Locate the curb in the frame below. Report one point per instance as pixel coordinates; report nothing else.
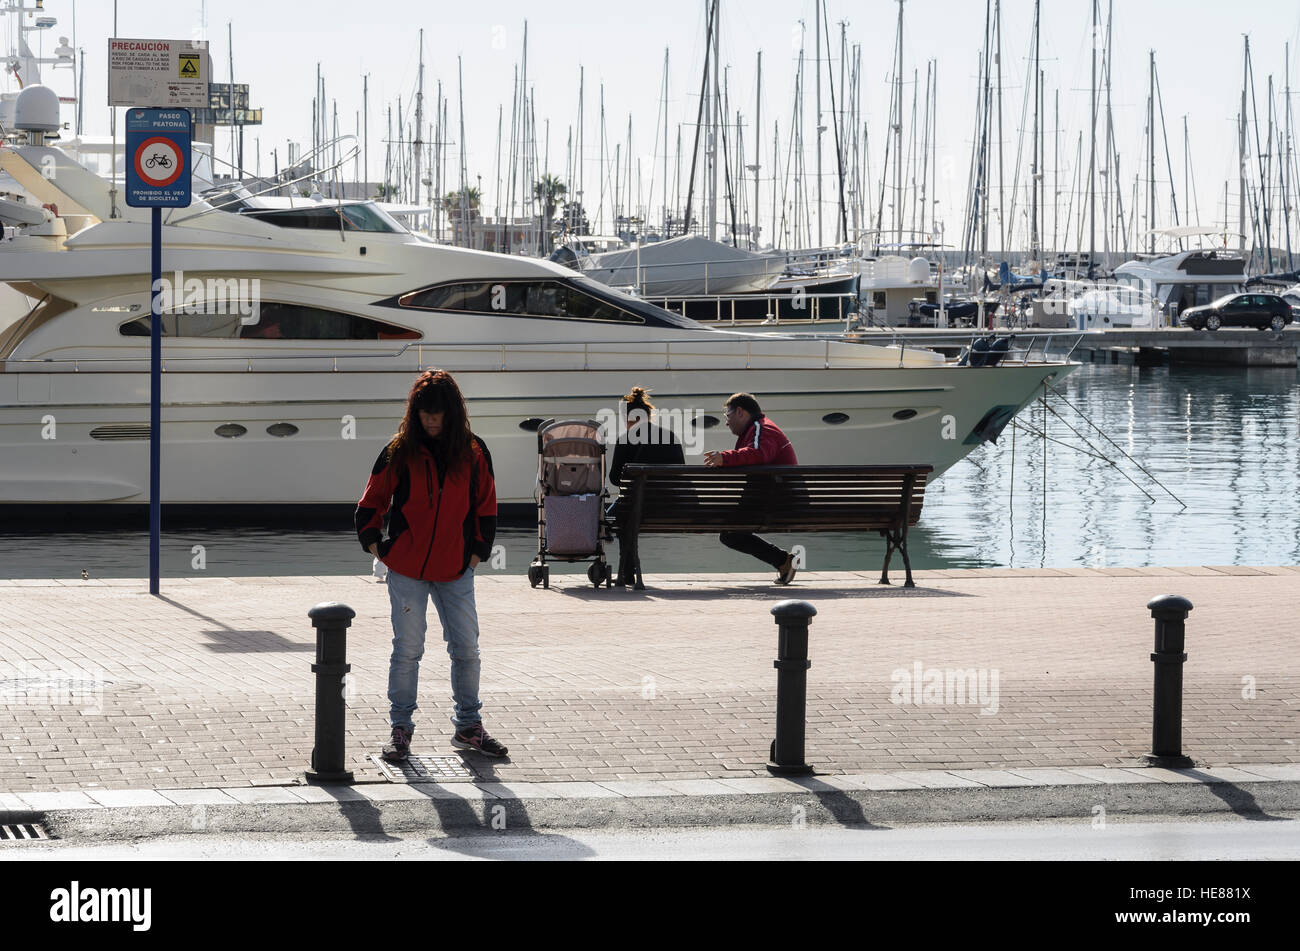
(865, 801)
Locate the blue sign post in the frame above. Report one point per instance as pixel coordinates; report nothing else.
(158, 176)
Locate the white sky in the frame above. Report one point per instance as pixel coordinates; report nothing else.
(277, 45)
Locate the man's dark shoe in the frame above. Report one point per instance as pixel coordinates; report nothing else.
(786, 571)
(476, 738)
(399, 747)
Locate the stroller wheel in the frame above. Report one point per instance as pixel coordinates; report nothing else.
(534, 575)
(596, 574)
(546, 577)
(609, 577)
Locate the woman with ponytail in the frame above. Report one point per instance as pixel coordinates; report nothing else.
(642, 443)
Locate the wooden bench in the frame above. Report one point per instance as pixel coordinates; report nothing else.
(700, 499)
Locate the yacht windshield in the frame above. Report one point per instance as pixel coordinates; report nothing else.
(366, 217)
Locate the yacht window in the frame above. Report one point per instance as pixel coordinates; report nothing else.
(521, 298)
(274, 321)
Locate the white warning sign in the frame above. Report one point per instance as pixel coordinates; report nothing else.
(158, 73)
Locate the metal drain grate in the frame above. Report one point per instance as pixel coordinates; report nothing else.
(420, 768)
(27, 832)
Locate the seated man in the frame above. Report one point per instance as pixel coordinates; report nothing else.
(759, 442)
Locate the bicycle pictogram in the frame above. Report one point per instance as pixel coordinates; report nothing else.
(158, 159)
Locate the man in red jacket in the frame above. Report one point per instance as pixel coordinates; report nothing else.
(759, 442)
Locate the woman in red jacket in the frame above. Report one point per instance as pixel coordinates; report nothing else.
(434, 482)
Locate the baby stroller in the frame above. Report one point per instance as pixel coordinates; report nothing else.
(571, 500)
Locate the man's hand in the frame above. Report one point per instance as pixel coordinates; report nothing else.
(713, 460)
(374, 549)
(474, 561)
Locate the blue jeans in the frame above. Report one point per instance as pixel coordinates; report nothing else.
(455, 603)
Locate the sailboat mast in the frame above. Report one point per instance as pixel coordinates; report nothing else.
(758, 150)
(716, 119)
(898, 136)
(1241, 149)
(419, 121)
(1151, 132)
(817, 68)
(1035, 250)
(667, 206)
(1092, 162)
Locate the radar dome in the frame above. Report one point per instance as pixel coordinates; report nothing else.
(918, 271)
(37, 110)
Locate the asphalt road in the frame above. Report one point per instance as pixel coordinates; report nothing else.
(1151, 839)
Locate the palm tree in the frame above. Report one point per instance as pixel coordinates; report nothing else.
(549, 190)
(452, 200)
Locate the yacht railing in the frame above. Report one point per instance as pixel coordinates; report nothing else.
(773, 303)
(1043, 342)
(503, 351)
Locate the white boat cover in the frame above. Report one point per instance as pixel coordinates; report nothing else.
(685, 267)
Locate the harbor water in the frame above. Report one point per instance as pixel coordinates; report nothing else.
(1221, 486)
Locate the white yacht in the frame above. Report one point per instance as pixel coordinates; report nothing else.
(296, 328)
(1188, 278)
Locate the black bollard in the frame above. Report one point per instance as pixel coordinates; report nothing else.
(1170, 613)
(792, 663)
(329, 756)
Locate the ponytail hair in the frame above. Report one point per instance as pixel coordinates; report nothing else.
(639, 399)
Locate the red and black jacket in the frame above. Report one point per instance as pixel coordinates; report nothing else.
(440, 515)
(763, 444)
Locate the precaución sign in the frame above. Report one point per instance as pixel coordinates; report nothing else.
(158, 173)
(158, 73)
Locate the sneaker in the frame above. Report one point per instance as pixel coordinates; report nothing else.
(787, 571)
(399, 748)
(476, 738)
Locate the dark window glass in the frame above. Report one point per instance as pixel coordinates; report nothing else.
(332, 218)
(520, 298)
(274, 321)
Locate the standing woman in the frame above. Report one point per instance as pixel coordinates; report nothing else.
(436, 477)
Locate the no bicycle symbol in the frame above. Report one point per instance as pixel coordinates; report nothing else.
(159, 162)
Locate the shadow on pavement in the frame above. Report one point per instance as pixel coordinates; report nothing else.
(1240, 801)
(797, 592)
(843, 808)
(227, 640)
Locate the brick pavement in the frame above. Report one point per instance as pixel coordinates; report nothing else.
(212, 686)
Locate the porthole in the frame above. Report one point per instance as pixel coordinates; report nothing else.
(710, 422)
(531, 425)
(836, 419)
(231, 430)
(282, 429)
(904, 414)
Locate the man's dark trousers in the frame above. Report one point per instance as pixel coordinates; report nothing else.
(753, 545)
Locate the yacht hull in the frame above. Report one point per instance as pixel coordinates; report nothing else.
(309, 438)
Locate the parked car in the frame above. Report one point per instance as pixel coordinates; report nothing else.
(1262, 311)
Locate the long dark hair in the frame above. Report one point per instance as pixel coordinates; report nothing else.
(435, 391)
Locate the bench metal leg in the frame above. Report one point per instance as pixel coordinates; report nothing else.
(896, 542)
(907, 562)
(889, 554)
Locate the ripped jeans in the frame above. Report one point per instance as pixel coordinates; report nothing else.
(454, 601)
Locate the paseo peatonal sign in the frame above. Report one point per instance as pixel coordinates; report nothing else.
(158, 173)
(160, 73)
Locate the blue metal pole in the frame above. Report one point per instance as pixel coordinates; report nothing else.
(155, 406)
